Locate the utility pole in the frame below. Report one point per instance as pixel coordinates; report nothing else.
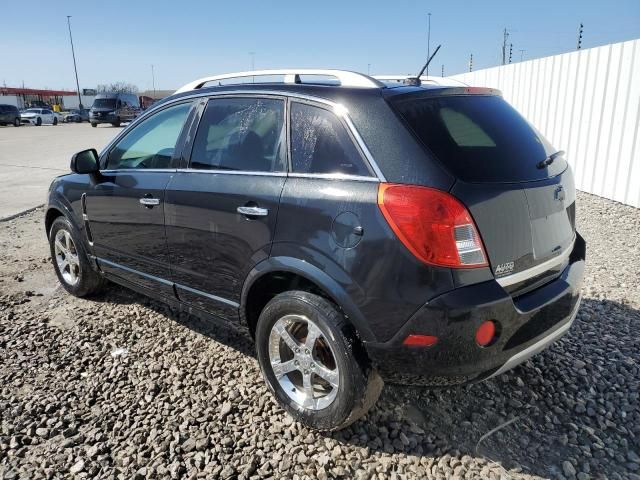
(75, 68)
(471, 62)
(505, 37)
(522, 54)
(443, 70)
(368, 69)
(580, 36)
(153, 81)
(428, 39)
(510, 51)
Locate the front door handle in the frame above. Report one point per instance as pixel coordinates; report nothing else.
(253, 211)
(150, 202)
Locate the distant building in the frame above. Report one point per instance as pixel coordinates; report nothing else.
(25, 97)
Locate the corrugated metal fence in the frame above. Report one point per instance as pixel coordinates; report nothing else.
(587, 103)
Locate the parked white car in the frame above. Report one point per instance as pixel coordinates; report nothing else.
(38, 116)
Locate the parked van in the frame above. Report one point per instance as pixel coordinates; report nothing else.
(114, 108)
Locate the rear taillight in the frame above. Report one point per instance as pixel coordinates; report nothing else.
(433, 225)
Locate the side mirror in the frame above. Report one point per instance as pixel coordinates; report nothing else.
(85, 161)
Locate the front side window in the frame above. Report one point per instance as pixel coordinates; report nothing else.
(320, 143)
(245, 134)
(150, 144)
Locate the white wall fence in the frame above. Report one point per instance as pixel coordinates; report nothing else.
(587, 103)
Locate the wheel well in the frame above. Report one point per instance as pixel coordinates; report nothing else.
(51, 215)
(272, 284)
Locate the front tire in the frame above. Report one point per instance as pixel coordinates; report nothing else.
(116, 123)
(94, 125)
(39, 122)
(55, 120)
(313, 363)
(16, 122)
(70, 261)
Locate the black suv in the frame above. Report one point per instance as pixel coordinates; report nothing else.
(9, 115)
(361, 232)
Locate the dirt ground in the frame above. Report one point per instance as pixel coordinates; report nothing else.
(119, 386)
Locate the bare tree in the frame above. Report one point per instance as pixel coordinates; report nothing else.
(117, 87)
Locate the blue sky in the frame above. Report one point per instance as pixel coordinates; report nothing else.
(119, 40)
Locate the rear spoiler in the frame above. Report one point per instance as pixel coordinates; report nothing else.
(444, 81)
(439, 92)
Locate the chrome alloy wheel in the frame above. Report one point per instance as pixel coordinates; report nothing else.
(303, 362)
(67, 257)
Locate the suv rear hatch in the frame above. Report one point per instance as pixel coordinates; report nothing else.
(524, 207)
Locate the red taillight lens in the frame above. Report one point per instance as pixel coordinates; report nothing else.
(433, 225)
(485, 333)
(420, 340)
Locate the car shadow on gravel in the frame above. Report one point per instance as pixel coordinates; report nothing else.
(569, 410)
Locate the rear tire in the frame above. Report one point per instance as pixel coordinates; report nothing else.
(94, 125)
(327, 382)
(70, 260)
(116, 123)
(39, 122)
(16, 122)
(55, 120)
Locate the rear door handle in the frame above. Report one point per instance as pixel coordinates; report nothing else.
(253, 211)
(150, 202)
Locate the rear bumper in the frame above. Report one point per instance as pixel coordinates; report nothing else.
(526, 325)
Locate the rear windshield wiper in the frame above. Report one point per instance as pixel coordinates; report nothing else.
(549, 160)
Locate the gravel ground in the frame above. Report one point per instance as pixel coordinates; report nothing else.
(120, 386)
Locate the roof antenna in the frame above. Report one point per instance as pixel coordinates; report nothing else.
(415, 81)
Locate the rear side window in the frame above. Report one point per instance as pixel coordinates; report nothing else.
(479, 138)
(244, 134)
(321, 144)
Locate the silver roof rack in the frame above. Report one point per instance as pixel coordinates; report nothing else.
(346, 78)
(444, 81)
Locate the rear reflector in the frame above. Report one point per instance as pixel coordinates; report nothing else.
(420, 340)
(433, 225)
(485, 333)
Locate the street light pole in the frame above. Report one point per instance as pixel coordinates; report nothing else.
(75, 68)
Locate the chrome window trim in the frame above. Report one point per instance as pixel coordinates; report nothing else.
(232, 172)
(150, 170)
(537, 269)
(335, 176)
(319, 176)
(268, 93)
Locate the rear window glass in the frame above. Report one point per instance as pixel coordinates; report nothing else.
(479, 138)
